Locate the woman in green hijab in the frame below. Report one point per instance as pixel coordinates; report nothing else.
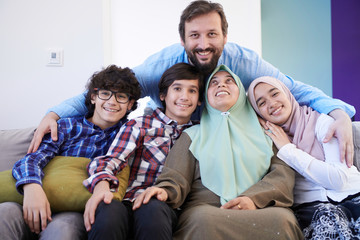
(223, 175)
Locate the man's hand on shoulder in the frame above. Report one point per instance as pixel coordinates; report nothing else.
(342, 130)
(47, 124)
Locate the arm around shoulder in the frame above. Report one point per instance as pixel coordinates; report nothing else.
(342, 130)
(71, 107)
(47, 124)
(316, 99)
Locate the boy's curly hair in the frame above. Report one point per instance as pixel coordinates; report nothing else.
(116, 79)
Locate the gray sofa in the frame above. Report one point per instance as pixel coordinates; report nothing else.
(14, 145)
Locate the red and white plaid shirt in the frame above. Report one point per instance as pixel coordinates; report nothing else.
(143, 143)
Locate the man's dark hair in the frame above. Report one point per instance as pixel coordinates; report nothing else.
(180, 71)
(115, 79)
(201, 7)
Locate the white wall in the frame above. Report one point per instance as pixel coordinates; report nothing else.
(93, 33)
(27, 30)
(142, 27)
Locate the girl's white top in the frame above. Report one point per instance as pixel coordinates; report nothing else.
(318, 180)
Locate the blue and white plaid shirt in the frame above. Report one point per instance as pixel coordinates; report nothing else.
(77, 137)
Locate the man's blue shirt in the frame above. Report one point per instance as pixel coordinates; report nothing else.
(244, 62)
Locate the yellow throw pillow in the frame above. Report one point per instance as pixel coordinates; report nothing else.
(62, 184)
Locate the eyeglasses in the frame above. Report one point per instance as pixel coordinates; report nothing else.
(107, 94)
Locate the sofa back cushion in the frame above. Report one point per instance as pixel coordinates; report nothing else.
(14, 145)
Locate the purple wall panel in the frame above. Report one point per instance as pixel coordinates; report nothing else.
(345, 26)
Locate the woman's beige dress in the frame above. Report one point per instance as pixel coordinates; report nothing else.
(201, 217)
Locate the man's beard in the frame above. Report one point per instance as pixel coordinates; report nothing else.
(205, 68)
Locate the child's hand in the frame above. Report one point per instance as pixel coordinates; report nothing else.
(145, 196)
(277, 134)
(263, 123)
(101, 193)
(36, 207)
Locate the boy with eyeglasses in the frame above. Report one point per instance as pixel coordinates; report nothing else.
(143, 143)
(112, 94)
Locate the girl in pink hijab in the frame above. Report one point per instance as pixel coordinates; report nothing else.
(326, 192)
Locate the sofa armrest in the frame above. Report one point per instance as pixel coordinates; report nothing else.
(356, 136)
(14, 145)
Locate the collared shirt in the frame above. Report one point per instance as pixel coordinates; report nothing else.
(143, 143)
(244, 62)
(77, 137)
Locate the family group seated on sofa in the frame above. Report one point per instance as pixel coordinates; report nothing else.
(234, 150)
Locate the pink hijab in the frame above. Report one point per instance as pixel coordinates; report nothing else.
(300, 127)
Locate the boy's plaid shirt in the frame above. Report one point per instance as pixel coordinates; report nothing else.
(77, 137)
(143, 143)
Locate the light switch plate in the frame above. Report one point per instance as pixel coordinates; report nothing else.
(55, 57)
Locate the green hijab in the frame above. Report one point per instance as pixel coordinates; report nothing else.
(232, 149)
